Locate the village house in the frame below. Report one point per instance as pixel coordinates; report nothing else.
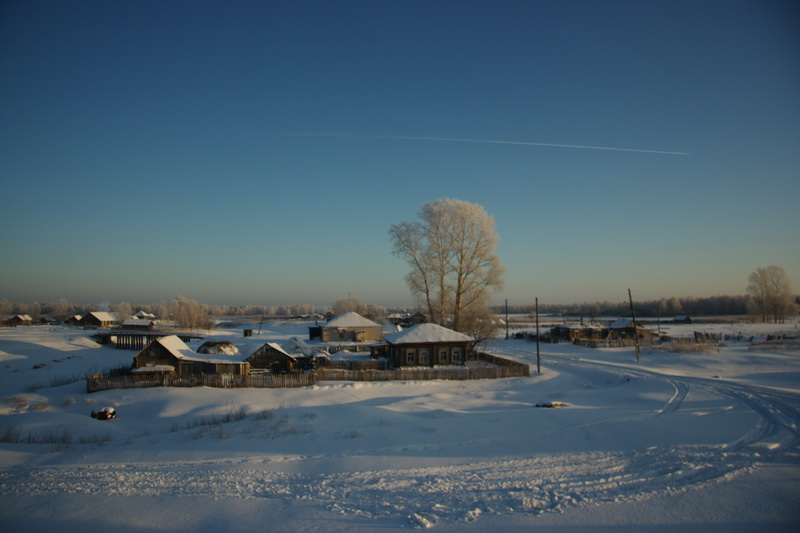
(406, 319)
(147, 324)
(426, 345)
(171, 355)
(98, 319)
(18, 320)
(272, 357)
(346, 327)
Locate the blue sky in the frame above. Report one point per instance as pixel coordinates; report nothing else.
(257, 152)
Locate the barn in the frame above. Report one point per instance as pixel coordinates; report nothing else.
(172, 352)
(346, 327)
(428, 345)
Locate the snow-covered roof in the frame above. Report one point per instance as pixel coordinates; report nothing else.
(623, 323)
(350, 319)
(137, 322)
(103, 316)
(180, 350)
(21, 317)
(176, 347)
(424, 333)
(277, 347)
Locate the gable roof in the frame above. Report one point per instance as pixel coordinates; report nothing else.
(180, 350)
(426, 333)
(176, 347)
(102, 316)
(350, 319)
(20, 317)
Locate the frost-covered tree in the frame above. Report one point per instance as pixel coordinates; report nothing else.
(124, 310)
(349, 304)
(450, 250)
(188, 313)
(61, 309)
(770, 294)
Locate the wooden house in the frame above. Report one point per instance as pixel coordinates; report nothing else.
(406, 319)
(168, 352)
(147, 324)
(74, 320)
(427, 345)
(346, 327)
(272, 357)
(98, 319)
(18, 320)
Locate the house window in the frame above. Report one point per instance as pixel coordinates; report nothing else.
(424, 356)
(410, 356)
(457, 355)
(443, 355)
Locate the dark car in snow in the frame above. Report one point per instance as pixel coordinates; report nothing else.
(106, 413)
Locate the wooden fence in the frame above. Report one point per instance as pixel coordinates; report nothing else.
(614, 343)
(499, 367)
(502, 368)
(97, 382)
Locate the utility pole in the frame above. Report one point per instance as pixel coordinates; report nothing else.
(635, 330)
(506, 318)
(538, 361)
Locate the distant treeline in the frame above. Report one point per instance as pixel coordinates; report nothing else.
(665, 307)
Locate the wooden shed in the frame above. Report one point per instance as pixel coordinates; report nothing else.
(171, 351)
(626, 328)
(346, 327)
(428, 345)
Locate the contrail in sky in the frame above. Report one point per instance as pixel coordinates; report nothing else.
(479, 141)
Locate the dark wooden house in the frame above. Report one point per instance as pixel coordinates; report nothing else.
(426, 345)
(171, 351)
(406, 319)
(18, 320)
(272, 357)
(98, 319)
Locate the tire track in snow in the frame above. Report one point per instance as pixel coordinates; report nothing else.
(548, 483)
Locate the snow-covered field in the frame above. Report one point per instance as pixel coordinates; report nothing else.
(706, 441)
